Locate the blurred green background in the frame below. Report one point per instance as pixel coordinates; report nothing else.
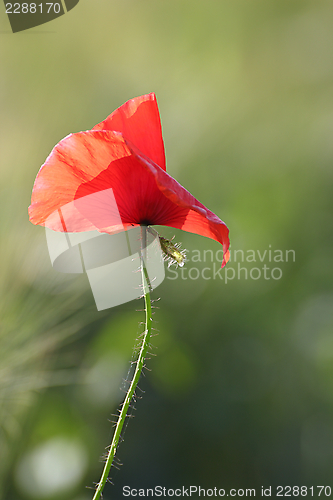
(240, 394)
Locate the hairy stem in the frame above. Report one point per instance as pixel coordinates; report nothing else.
(138, 369)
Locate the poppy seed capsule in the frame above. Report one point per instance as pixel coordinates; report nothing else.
(172, 252)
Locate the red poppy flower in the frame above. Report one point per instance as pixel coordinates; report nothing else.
(114, 176)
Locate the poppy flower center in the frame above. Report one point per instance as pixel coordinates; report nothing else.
(145, 222)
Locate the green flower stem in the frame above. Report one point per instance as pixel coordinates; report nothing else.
(138, 369)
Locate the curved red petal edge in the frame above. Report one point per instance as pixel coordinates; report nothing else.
(139, 122)
(100, 179)
(74, 161)
(199, 220)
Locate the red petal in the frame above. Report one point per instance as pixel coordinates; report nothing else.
(97, 180)
(76, 160)
(139, 122)
(198, 219)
